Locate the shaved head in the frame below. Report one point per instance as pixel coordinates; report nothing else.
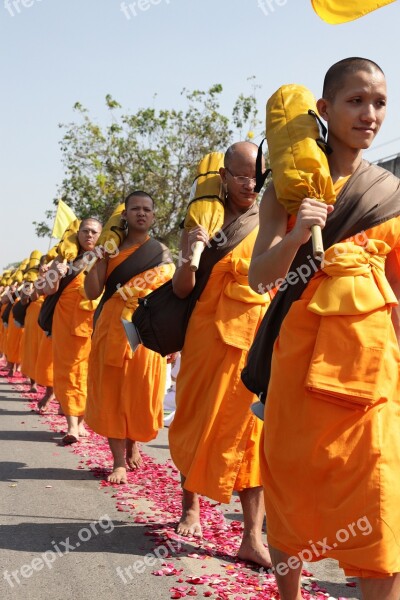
(240, 151)
(88, 219)
(337, 74)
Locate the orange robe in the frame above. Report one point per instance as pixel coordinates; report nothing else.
(14, 341)
(44, 360)
(214, 437)
(31, 340)
(2, 330)
(331, 459)
(71, 333)
(126, 390)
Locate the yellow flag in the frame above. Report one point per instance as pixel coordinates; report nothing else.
(64, 216)
(342, 11)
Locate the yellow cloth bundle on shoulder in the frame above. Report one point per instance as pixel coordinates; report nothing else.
(114, 231)
(68, 248)
(297, 150)
(206, 202)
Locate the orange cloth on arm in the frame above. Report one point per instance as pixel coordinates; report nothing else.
(31, 340)
(126, 390)
(14, 341)
(331, 450)
(214, 437)
(71, 333)
(44, 361)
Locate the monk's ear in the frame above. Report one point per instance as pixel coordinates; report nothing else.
(322, 107)
(222, 174)
(124, 214)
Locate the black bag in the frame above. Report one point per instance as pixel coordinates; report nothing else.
(45, 318)
(149, 255)
(161, 318)
(6, 314)
(19, 313)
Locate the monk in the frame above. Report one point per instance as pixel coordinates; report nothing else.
(214, 437)
(332, 419)
(71, 332)
(14, 343)
(32, 334)
(44, 358)
(126, 389)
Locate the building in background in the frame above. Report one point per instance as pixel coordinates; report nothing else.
(391, 163)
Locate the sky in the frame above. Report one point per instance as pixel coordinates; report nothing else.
(54, 53)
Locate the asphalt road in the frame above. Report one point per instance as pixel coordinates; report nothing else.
(62, 537)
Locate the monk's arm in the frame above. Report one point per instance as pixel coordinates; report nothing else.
(53, 277)
(393, 276)
(184, 279)
(275, 249)
(95, 279)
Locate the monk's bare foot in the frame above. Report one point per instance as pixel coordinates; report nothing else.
(253, 550)
(133, 457)
(83, 433)
(118, 475)
(189, 525)
(43, 404)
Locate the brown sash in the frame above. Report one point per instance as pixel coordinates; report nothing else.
(149, 255)
(370, 197)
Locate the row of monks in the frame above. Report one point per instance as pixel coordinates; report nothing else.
(311, 454)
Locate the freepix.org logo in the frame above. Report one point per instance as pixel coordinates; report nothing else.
(268, 7)
(133, 9)
(14, 7)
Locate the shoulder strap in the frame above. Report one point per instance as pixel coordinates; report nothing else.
(45, 319)
(234, 233)
(149, 255)
(370, 197)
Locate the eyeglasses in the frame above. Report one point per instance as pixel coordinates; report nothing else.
(241, 180)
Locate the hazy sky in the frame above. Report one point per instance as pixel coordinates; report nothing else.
(56, 52)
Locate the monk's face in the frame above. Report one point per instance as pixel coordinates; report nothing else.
(88, 234)
(139, 214)
(357, 111)
(239, 177)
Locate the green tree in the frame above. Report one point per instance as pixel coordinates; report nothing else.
(156, 151)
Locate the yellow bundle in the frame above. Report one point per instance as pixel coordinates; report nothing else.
(206, 202)
(51, 254)
(114, 230)
(342, 11)
(32, 270)
(69, 248)
(299, 165)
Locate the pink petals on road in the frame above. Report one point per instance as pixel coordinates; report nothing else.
(152, 499)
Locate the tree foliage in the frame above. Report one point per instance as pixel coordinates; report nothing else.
(156, 151)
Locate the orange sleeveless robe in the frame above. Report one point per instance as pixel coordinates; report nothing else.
(14, 341)
(44, 362)
(71, 333)
(214, 437)
(125, 390)
(31, 340)
(331, 457)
